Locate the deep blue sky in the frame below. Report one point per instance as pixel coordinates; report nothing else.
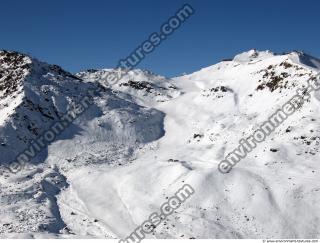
(80, 34)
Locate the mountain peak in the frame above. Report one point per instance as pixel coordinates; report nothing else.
(304, 59)
(252, 54)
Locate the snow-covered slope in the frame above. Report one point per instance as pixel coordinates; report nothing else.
(147, 135)
(35, 96)
(143, 86)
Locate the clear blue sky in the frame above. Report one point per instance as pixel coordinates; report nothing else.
(80, 34)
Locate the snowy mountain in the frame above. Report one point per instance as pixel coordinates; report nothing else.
(34, 96)
(143, 86)
(146, 135)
